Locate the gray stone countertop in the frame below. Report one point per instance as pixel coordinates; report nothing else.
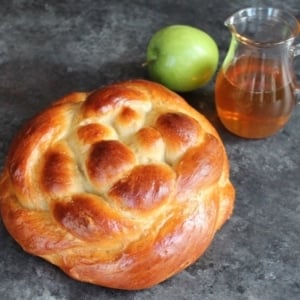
(50, 48)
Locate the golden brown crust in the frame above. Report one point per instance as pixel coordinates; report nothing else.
(122, 187)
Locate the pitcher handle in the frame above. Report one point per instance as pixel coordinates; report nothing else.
(296, 52)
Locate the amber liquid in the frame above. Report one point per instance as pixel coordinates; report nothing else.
(254, 99)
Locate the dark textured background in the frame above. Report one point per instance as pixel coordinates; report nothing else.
(50, 48)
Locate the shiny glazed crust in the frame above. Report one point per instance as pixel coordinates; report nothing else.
(122, 187)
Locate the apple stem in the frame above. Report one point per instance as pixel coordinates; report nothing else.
(146, 63)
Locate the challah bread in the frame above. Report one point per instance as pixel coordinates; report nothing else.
(121, 187)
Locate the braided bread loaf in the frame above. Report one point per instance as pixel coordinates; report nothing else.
(122, 187)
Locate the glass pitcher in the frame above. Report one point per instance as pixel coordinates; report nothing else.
(255, 89)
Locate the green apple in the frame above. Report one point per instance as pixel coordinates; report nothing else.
(182, 57)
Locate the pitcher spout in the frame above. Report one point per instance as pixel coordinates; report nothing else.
(263, 25)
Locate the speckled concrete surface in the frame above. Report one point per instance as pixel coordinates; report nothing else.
(48, 50)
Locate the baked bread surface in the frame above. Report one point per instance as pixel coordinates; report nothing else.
(121, 187)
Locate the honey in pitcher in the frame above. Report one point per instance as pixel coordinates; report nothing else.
(253, 98)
